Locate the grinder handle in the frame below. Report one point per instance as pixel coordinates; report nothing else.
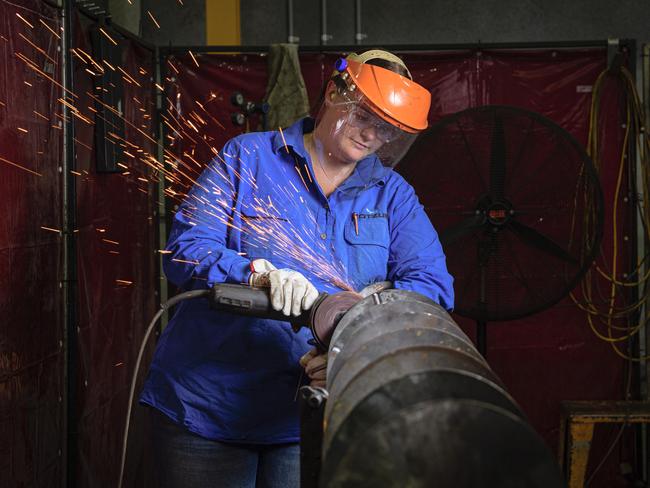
(252, 301)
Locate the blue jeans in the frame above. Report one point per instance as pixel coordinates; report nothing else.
(187, 460)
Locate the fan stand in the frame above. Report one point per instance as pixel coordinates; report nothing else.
(481, 337)
(484, 249)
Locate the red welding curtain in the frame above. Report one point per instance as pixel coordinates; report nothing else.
(31, 329)
(117, 267)
(543, 359)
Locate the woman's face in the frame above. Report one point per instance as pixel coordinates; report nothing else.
(345, 135)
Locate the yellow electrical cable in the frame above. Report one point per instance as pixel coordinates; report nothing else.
(634, 118)
(621, 313)
(619, 181)
(622, 283)
(638, 122)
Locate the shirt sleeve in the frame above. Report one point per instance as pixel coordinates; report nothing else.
(199, 235)
(416, 260)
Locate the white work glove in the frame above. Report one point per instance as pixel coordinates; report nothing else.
(291, 292)
(315, 366)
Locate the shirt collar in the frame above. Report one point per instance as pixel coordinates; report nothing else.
(368, 171)
(291, 137)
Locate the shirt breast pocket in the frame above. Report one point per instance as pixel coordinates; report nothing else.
(368, 239)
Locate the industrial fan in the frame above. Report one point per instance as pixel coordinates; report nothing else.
(518, 206)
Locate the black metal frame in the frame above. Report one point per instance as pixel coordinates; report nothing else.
(627, 55)
(160, 56)
(164, 52)
(398, 47)
(69, 281)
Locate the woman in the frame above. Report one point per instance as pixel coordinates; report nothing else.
(309, 209)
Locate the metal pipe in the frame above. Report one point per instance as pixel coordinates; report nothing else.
(358, 35)
(324, 36)
(400, 48)
(69, 279)
(412, 403)
(160, 210)
(291, 38)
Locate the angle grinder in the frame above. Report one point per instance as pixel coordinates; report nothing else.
(321, 319)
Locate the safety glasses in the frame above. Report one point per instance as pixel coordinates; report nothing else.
(363, 119)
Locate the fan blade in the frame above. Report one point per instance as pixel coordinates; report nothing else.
(456, 231)
(541, 242)
(497, 159)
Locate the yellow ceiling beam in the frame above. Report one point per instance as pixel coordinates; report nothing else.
(222, 23)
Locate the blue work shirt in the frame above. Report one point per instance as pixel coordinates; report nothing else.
(233, 378)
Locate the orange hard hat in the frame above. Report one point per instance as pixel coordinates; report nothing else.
(395, 98)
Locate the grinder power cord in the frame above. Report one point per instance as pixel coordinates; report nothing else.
(165, 306)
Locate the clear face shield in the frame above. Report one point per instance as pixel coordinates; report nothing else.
(361, 124)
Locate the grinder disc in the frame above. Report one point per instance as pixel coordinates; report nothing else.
(327, 313)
